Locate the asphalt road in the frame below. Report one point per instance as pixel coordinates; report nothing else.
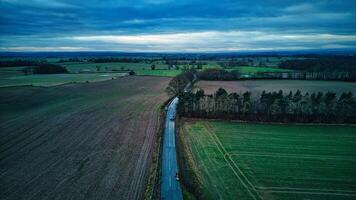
(170, 187)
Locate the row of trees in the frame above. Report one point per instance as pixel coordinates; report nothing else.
(220, 74)
(34, 66)
(70, 60)
(179, 83)
(335, 75)
(270, 106)
(20, 62)
(233, 63)
(45, 68)
(113, 59)
(322, 64)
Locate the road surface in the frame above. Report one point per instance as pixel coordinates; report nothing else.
(170, 187)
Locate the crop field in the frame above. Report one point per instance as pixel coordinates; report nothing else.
(235, 160)
(81, 72)
(158, 72)
(77, 67)
(56, 79)
(79, 141)
(247, 69)
(258, 86)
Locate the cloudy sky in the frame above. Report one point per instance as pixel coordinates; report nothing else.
(176, 25)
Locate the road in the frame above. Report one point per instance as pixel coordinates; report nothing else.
(170, 187)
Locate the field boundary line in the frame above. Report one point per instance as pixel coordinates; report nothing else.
(320, 157)
(268, 133)
(307, 192)
(194, 147)
(290, 189)
(298, 190)
(222, 150)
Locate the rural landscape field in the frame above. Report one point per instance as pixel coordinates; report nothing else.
(236, 160)
(97, 127)
(258, 86)
(173, 100)
(79, 141)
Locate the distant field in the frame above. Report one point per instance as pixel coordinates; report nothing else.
(13, 76)
(77, 67)
(275, 85)
(6, 72)
(259, 69)
(159, 72)
(79, 141)
(56, 79)
(258, 161)
(140, 68)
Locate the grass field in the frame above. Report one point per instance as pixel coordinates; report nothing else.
(56, 79)
(79, 141)
(262, 161)
(158, 72)
(247, 69)
(13, 76)
(258, 86)
(77, 67)
(87, 71)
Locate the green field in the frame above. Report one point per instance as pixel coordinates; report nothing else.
(158, 72)
(247, 69)
(77, 67)
(81, 72)
(235, 160)
(56, 79)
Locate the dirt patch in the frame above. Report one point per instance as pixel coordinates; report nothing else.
(80, 141)
(258, 86)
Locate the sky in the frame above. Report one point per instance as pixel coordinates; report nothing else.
(177, 25)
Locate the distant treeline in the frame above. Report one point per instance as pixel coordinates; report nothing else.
(45, 68)
(220, 74)
(233, 63)
(322, 64)
(270, 106)
(70, 60)
(183, 62)
(20, 62)
(109, 59)
(327, 75)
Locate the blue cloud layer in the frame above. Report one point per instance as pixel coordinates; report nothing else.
(51, 24)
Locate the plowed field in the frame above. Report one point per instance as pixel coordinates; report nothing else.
(79, 141)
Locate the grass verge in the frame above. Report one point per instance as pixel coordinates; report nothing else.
(152, 191)
(190, 184)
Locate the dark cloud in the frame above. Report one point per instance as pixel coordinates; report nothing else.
(51, 23)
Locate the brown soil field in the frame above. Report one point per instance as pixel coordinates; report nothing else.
(79, 141)
(258, 86)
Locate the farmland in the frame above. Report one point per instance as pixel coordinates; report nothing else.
(56, 79)
(248, 69)
(79, 141)
(80, 72)
(258, 86)
(77, 67)
(158, 72)
(234, 160)
(92, 69)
